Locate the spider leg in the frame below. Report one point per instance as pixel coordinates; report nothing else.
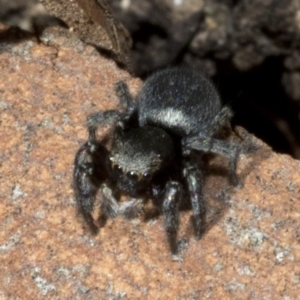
(131, 209)
(195, 181)
(228, 149)
(219, 120)
(101, 119)
(90, 169)
(85, 182)
(170, 208)
(124, 95)
(109, 205)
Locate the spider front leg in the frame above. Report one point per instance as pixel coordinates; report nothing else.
(109, 204)
(99, 120)
(124, 95)
(195, 181)
(228, 149)
(170, 208)
(90, 174)
(89, 171)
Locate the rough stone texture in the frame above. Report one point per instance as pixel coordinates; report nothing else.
(30, 15)
(251, 249)
(94, 24)
(161, 29)
(245, 32)
(249, 31)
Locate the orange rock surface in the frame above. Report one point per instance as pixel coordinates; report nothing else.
(251, 249)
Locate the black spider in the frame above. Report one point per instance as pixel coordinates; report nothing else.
(158, 145)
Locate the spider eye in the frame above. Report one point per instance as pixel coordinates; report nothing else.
(117, 169)
(132, 175)
(146, 175)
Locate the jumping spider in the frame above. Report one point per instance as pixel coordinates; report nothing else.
(158, 145)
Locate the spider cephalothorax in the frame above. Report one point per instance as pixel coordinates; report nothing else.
(158, 144)
(138, 155)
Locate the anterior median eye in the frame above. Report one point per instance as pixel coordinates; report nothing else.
(132, 175)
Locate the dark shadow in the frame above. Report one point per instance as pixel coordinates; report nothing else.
(260, 103)
(13, 35)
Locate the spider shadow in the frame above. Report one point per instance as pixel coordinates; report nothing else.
(13, 35)
(218, 188)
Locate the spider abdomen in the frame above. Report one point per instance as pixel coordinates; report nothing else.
(179, 100)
